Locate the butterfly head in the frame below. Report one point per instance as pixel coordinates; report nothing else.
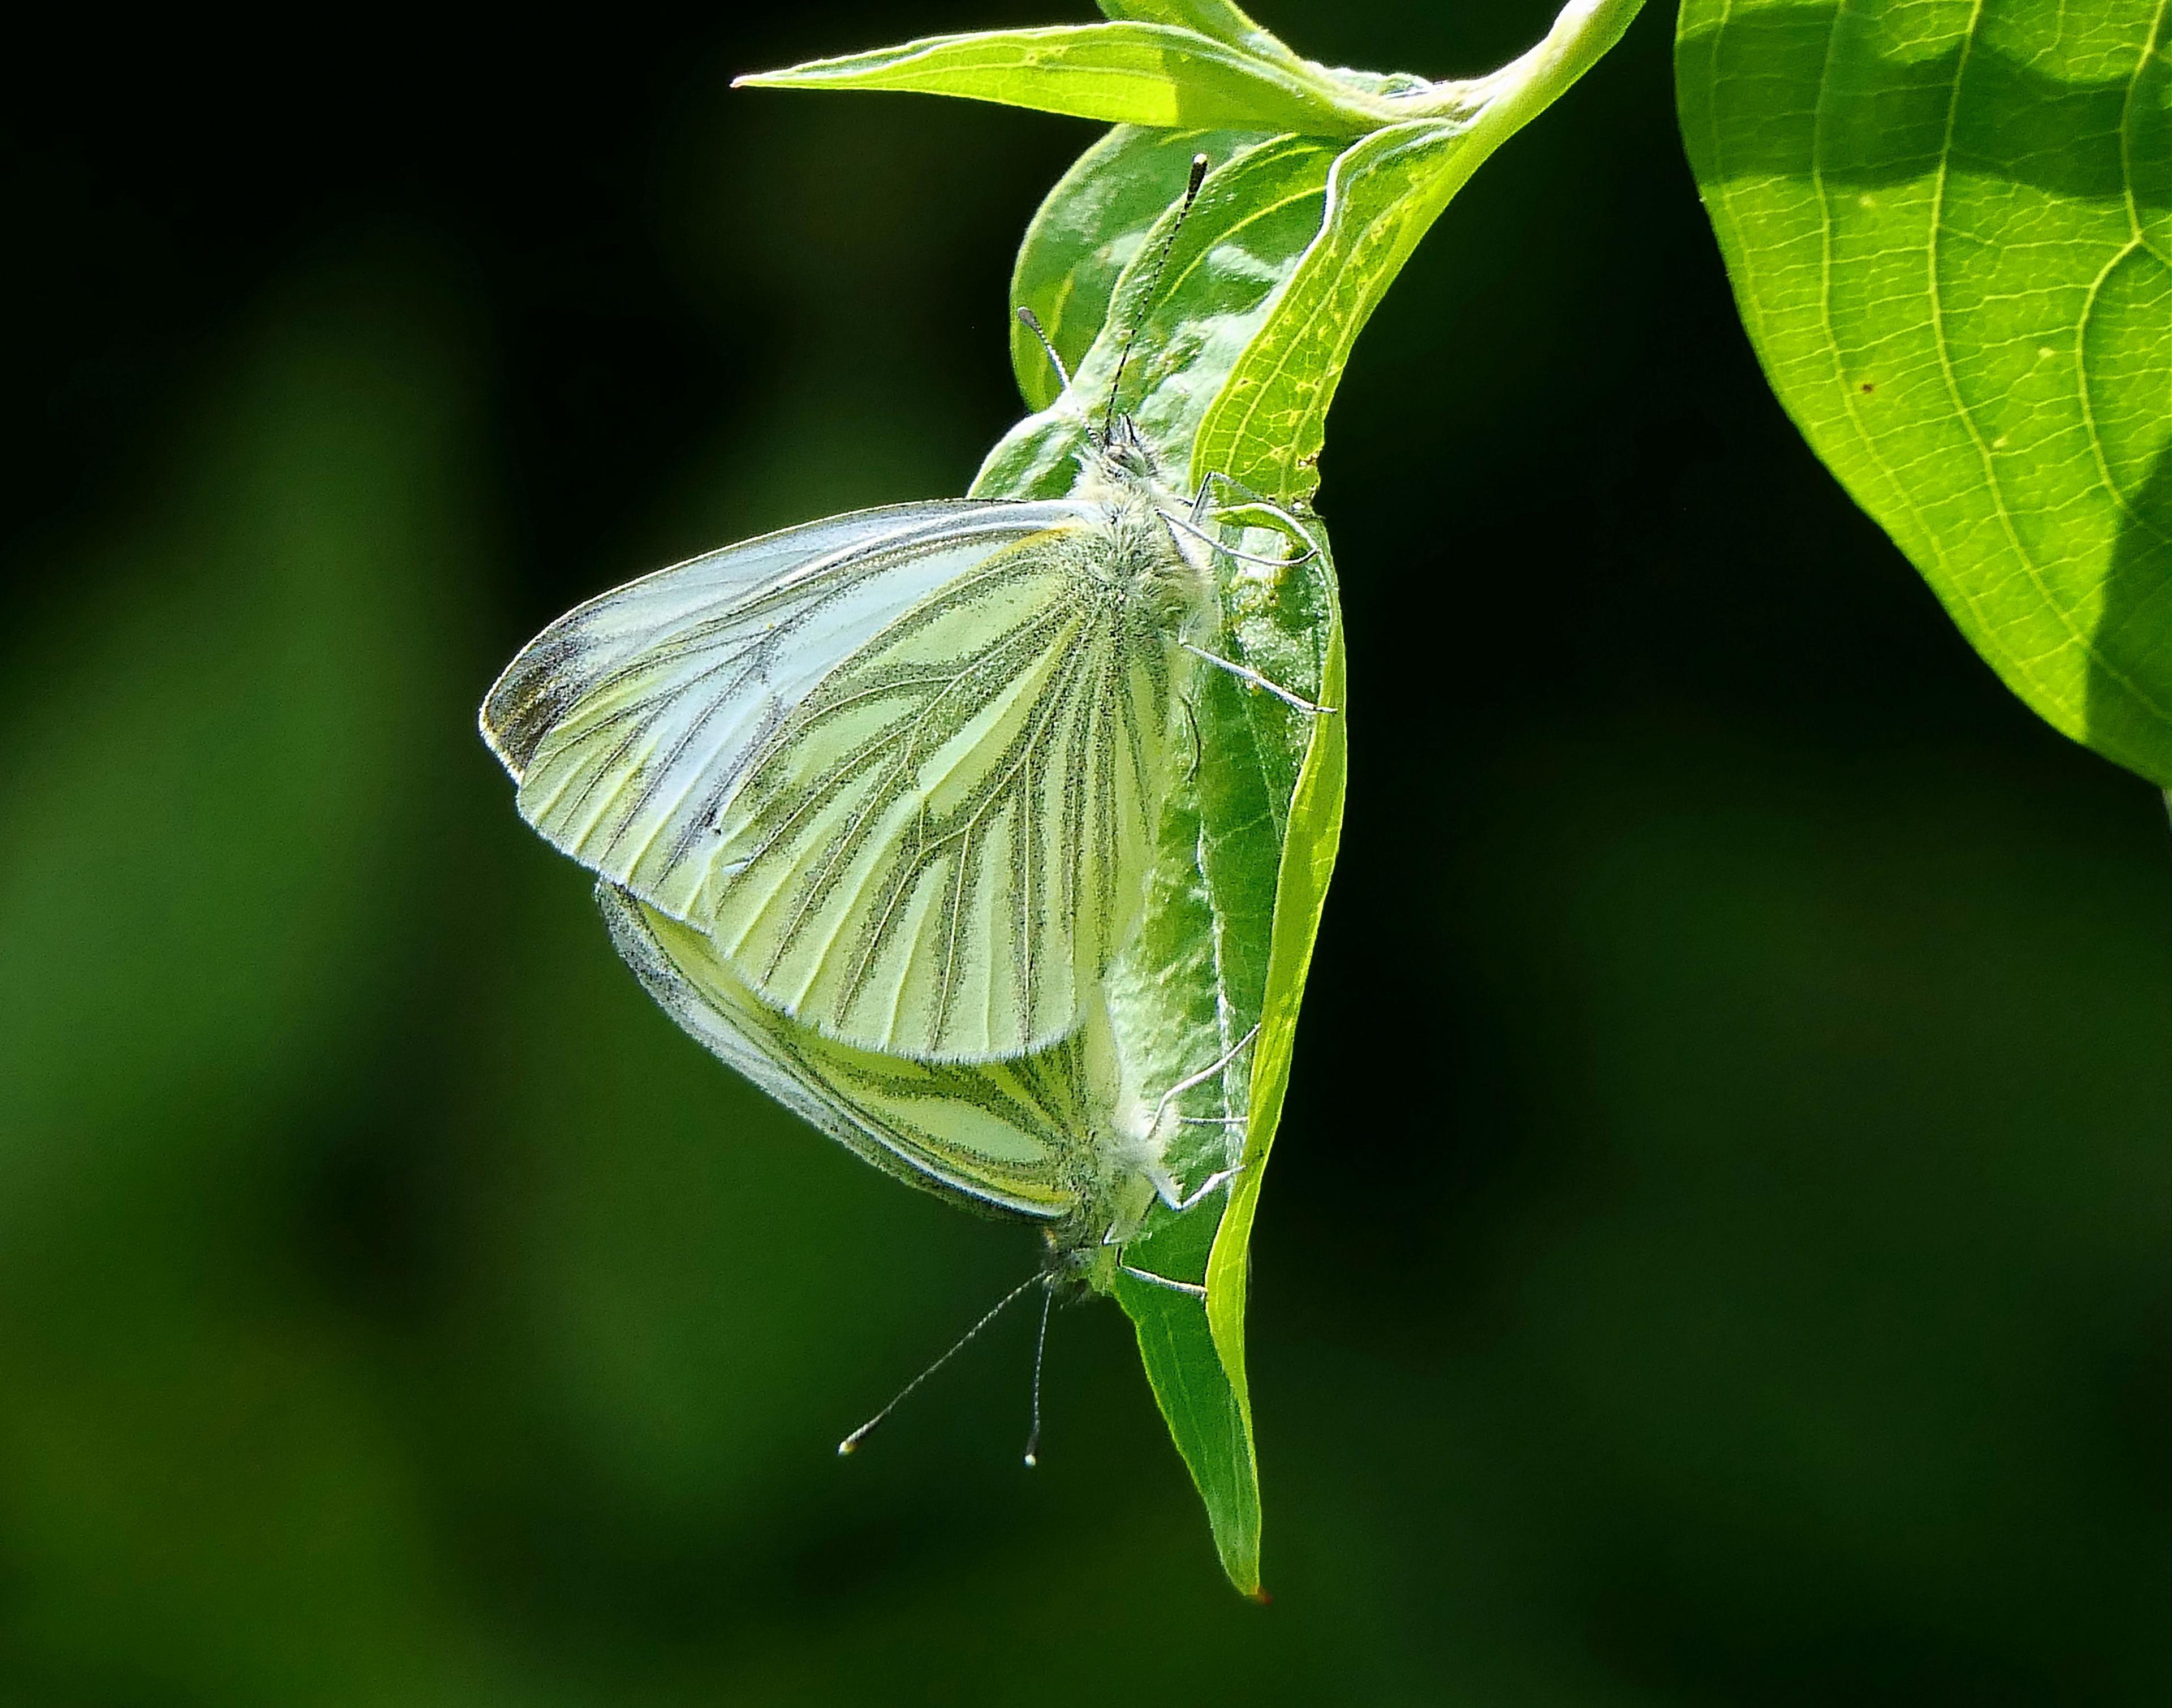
(1078, 1263)
(1123, 453)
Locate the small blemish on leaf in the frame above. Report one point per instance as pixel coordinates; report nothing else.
(1869, 386)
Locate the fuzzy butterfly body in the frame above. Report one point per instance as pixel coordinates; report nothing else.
(901, 767)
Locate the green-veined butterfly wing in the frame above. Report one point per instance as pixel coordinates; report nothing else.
(941, 849)
(903, 764)
(1006, 1135)
(626, 722)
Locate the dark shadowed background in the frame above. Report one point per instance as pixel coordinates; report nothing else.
(1718, 1250)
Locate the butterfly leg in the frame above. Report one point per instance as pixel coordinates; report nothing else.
(1212, 1182)
(1202, 508)
(1198, 747)
(1250, 496)
(1177, 524)
(1163, 1280)
(1243, 673)
(1206, 1073)
(1199, 502)
(1170, 1189)
(1113, 1238)
(1200, 511)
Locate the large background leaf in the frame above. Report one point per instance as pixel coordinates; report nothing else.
(1949, 229)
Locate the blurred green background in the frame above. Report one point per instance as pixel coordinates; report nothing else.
(1718, 1251)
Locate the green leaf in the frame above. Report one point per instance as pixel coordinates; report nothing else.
(1264, 916)
(1256, 216)
(1218, 19)
(1312, 838)
(1236, 343)
(1246, 852)
(1269, 419)
(1087, 227)
(1208, 1416)
(1125, 73)
(1950, 230)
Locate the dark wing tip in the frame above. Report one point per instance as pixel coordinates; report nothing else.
(531, 698)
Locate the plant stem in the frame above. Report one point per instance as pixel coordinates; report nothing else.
(1525, 87)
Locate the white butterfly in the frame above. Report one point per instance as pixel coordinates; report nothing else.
(902, 766)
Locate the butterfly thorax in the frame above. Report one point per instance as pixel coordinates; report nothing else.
(1149, 567)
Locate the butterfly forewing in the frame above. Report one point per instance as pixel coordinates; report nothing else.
(903, 764)
(704, 612)
(1009, 1135)
(940, 850)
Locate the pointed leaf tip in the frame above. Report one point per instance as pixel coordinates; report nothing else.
(1126, 74)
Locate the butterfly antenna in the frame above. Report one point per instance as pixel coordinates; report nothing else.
(1040, 1348)
(1154, 282)
(851, 1444)
(1031, 322)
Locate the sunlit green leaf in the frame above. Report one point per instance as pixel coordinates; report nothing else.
(1218, 19)
(1225, 950)
(1126, 74)
(1269, 419)
(1257, 215)
(1312, 837)
(1264, 852)
(1087, 227)
(1949, 229)
(1208, 1416)
(1203, 970)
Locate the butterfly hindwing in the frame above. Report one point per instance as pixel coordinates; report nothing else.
(1009, 1135)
